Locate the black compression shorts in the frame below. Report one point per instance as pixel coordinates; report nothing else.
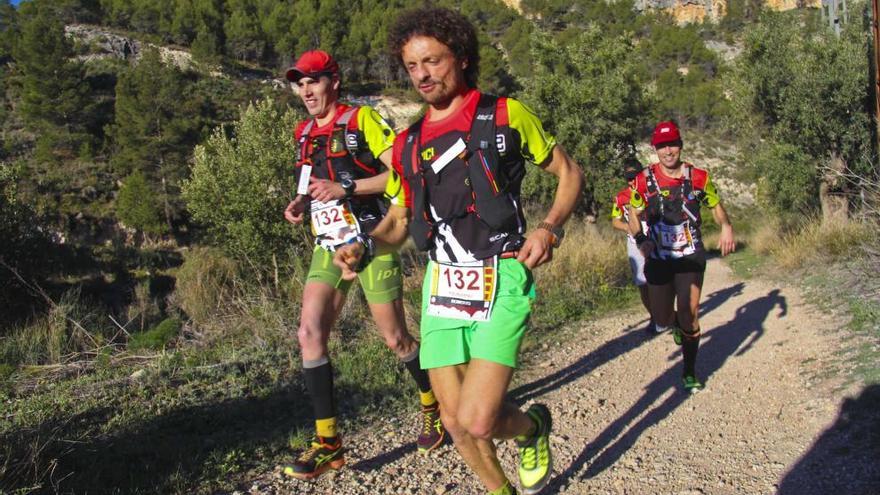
(661, 272)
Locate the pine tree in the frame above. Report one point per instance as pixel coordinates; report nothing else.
(53, 94)
(155, 128)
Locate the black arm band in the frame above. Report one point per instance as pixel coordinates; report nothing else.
(640, 238)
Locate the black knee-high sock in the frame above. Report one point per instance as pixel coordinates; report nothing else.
(689, 346)
(318, 375)
(415, 369)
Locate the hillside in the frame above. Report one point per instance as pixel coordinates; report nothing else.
(151, 287)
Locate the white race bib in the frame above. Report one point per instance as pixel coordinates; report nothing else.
(674, 240)
(334, 221)
(464, 291)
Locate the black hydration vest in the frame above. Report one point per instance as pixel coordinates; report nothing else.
(672, 211)
(344, 155)
(493, 188)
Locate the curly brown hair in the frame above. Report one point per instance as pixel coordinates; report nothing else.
(446, 26)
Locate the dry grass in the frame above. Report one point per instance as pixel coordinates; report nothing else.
(816, 242)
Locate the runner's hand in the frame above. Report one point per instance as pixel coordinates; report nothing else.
(646, 248)
(537, 250)
(726, 243)
(347, 258)
(295, 210)
(324, 190)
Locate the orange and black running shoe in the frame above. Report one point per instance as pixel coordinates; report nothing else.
(317, 459)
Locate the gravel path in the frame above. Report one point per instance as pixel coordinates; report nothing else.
(623, 426)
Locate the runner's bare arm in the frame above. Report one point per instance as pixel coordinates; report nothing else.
(387, 237)
(327, 190)
(726, 242)
(619, 224)
(538, 248)
(295, 210)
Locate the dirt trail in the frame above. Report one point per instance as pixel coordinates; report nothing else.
(623, 425)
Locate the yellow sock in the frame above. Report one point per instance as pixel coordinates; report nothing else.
(326, 427)
(427, 398)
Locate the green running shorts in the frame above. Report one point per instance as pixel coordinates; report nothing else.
(450, 341)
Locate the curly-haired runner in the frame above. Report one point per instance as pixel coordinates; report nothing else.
(455, 188)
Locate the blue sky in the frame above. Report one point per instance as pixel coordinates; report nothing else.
(15, 2)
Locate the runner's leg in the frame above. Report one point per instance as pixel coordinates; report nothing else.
(321, 304)
(389, 317)
(688, 286)
(662, 300)
(480, 456)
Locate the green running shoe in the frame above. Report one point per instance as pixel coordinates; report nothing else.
(317, 459)
(691, 384)
(535, 460)
(432, 433)
(677, 335)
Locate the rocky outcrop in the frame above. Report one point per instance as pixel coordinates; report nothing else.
(100, 43)
(687, 11)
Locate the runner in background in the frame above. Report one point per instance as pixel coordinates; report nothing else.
(668, 196)
(620, 221)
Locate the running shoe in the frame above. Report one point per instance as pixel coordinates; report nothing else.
(677, 335)
(654, 328)
(507, 489)
(535, 461)
(432, 433)
(691, 384)
(317, 459)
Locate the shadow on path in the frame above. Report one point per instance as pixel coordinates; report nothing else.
(632, 338)
(717, 346)
(846, 457)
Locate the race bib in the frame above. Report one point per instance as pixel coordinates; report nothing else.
(464, 291)
(674, 240)
(334, 222)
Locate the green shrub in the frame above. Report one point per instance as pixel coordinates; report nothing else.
(788, 181)
(205, 278)
(156, 338)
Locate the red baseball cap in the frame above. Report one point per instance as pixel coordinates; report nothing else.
(665, 132)
(312, 63)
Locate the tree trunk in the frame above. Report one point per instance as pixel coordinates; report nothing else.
(832, 193)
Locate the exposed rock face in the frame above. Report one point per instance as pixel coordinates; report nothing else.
(687, 11)
(102, 43)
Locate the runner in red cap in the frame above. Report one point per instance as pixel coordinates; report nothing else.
(340, 181)
(667, 196)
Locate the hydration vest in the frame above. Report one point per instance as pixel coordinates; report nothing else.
(493, 189)
(658, 204)
(343, 152)
(345, 156)
(673, 213)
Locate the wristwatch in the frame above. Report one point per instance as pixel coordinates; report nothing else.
(557, 231)
(348, 186)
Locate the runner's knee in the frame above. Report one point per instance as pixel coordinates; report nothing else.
(479, 426)
(450, 422)
(310, 338)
